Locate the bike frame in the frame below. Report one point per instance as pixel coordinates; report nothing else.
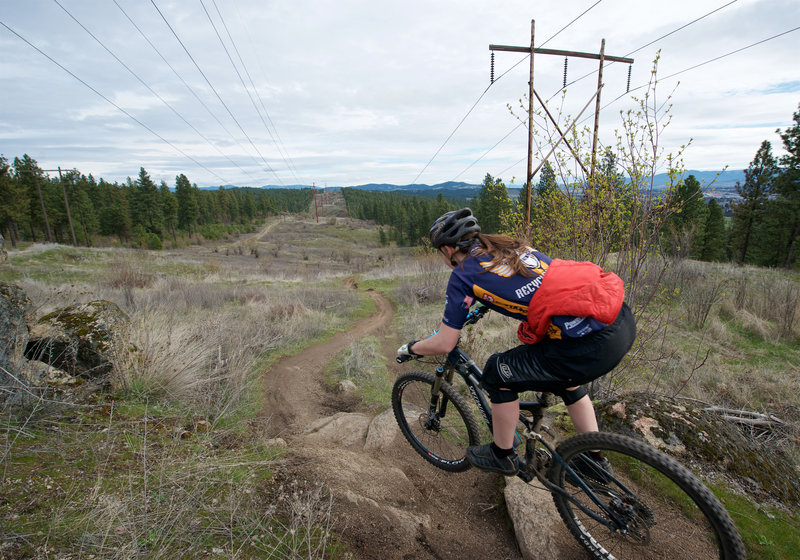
(459, 361)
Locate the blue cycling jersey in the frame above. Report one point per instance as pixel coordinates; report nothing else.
(505, 291)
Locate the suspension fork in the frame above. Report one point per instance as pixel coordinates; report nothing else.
(438, 407)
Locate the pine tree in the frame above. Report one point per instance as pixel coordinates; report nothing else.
(169, 208)
(687, 200)
(145, 204)
(747, 214)
(14, 203)
(712, 236)
(493, 204)
(788, 186)
(188, 210)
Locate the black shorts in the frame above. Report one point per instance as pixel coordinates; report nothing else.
(553, 365)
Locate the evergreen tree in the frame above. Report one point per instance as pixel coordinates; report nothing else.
(31, 179)
(493, 205)
(711, 246)
(686, 198)
(145, 204)
(188, 209)
(747, 214)
(14, 203)
(169, 208)
(115, 218)
(788, 187)
(547, 180)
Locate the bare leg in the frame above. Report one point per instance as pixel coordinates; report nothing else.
(504, 421)
(582, 414)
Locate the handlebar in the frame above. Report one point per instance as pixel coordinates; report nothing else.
(476, 314)
(472, 317)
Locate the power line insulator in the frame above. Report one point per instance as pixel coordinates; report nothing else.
(628, 89)
(491, 69)
(566, 60)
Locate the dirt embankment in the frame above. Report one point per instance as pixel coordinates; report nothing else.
(388, 502)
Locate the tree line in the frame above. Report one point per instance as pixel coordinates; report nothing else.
(407, 218)
(74, 208)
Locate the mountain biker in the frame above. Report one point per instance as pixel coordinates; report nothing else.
(574, 326)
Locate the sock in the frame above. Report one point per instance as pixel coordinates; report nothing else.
(500, 452)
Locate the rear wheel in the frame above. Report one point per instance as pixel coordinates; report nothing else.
(662, 509)
(440, 434)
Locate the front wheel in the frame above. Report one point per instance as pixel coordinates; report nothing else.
(659, 508)
(439, 430)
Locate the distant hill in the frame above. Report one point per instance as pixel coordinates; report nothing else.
(719, 184)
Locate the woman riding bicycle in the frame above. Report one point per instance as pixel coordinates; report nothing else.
(575, 326)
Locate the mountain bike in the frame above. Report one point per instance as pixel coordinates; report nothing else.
(643, 505)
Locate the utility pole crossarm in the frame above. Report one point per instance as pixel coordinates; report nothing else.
(576, 54)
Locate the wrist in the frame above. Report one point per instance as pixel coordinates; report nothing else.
(410, 351)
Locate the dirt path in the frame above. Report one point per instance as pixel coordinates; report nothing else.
(388, 502)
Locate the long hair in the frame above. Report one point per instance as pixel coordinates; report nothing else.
(503, 249)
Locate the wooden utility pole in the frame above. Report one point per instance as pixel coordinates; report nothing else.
(529, 175)
(532, 93)
(597, 106)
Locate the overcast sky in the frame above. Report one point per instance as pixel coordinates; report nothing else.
(357, 91)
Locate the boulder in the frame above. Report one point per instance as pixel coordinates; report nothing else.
(535, 519)
(382, 432)
(702, 439)
(15, 310)
(78, 338)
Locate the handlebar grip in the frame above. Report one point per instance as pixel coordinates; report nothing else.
(401, 359)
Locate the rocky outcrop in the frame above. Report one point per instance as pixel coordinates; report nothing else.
(696, 435)
(77, 339)
(15, 311)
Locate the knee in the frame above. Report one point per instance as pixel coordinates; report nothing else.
(571, 397)
(492, 381)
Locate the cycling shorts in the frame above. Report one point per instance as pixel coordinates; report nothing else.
(553, 365)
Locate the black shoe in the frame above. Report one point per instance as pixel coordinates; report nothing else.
(482, 457)
(595, 470)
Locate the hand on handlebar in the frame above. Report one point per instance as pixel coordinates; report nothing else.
(404, 354)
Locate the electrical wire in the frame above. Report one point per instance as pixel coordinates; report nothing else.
(646, 45)
(627, 55)
(279, 144)
(188, 87)
(486, 90)
(137, 121)
(145, 84)
(244, 85)
(215, 90)
(709, 61)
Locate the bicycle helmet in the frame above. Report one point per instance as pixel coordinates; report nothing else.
(449, 228)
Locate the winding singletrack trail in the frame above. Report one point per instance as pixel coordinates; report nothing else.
(388, 503)
(294, 395)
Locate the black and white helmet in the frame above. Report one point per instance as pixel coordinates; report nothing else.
(449, 228)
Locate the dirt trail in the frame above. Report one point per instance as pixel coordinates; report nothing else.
(388, 502)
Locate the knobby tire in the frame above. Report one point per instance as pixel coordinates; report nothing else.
(440, 440)
(669, 513)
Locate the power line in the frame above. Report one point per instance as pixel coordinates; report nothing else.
(591, 73)
(486, 90)
(648, 44)
(191, 90)
(570, 23)
(215, 91)
(140, 123)
(244, 85)
(707, 62)
(164, 101)
(286, 158)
